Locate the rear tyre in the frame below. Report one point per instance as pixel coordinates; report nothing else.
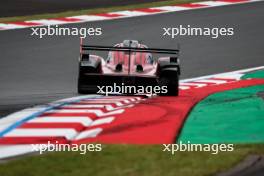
(85, 88)
(172, 85)
(81, 90)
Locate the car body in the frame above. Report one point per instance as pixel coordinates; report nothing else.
(130, 63)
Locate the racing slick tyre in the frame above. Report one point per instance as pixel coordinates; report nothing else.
(172, 85)
(84, 88)
(80, 89)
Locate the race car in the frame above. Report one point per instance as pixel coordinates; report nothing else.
(128, 63)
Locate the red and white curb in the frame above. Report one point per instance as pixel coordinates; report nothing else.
(120, 14)
(64, 120)
(83, 119)
(216, 79)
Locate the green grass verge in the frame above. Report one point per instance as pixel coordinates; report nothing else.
(93, 11)
(129, 160)
(256, 74)
(234, 116)
(224, 117)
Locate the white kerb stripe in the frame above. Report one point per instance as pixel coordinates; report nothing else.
(130, 13)
(48, 22)
(236, 76)
(89, 17)
(193, 84)
(11, 26)
(89, 133)
(184, 87)
(13, 150)
(213, 3)
(98, 112)
(102, 121)
(171, 8)
(211, 81)
(85, 121)
(43, 132)
(85, 106)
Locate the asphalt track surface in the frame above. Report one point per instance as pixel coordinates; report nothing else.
(32, 7)
(35, 71)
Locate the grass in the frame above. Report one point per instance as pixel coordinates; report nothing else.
(129, 160)
(256, 74)
(93, 11)
(211, 121)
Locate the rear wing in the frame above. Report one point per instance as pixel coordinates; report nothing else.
(128, 49)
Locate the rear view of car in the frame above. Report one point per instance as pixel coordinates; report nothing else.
(128, 63)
